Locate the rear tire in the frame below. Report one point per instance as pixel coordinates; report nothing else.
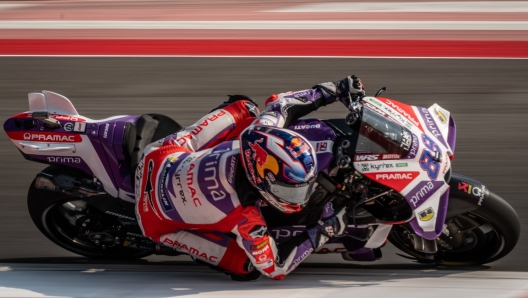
(496, 235)
(47, 210)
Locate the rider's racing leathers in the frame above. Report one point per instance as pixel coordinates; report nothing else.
(193, 194)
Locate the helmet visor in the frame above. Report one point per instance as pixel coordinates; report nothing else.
(292, 194)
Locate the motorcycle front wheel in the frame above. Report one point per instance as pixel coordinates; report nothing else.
(485, 235)
(59, 217)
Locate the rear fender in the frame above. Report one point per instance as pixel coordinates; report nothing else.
(466, 194)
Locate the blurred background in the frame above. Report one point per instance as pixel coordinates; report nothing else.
(182, 58)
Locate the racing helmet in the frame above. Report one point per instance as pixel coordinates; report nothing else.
(280, 164)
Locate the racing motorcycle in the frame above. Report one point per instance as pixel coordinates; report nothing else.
(388, 162)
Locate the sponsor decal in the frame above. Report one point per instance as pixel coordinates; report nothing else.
(48, 137)
(395, 180)
(302, 96)
(404, 110)
(381, 166)
(148, 188)
(406, 140)
(211, 176)
(284, 233)
(63, 159)
(190, 250)
(321, 146)
(426, 214)
(232, 168)
(190, 181)
(422, 192)
(258, 232)
(252, 109)
(264, 259)
(300, 258)
(260, 251)
(430, 124)
(260, 245)
(79, 127)
(165, 201)
(105, 134)
(414, 148)
(366, 157)
(372, 100)
(251, 170)
(473, 190)
(68, 118)
(365, 167)
(371, 157)
(297, 147)
(68, 126)
(196, 131)
(401, 165)
(390, 176)
(440, 116)
(307, 126)
(269, 113)
(177, 178)
(139, 178)
(264, 161)
(264, 121)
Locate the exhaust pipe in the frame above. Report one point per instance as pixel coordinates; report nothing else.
(68, 185)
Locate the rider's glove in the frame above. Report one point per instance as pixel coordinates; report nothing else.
(331, 224)
(346, 91)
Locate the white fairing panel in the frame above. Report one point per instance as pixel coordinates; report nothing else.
(59, 104)
(37, 102)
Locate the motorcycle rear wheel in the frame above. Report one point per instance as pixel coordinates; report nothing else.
(496, 235)
(46, 209)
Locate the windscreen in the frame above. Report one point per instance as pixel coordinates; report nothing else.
(378, 134)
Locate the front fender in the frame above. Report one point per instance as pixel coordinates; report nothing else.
(466, 194)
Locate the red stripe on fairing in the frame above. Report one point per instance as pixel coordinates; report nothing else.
(354, 48)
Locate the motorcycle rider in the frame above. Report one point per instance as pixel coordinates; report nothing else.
(198, 191)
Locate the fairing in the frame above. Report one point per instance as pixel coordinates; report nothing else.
(420, 175)
(93, 146)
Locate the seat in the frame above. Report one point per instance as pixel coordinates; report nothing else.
(149, 128)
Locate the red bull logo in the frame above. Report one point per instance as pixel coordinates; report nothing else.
(263, 159)
(297, 147)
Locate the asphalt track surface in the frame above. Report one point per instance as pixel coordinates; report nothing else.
(488, 99)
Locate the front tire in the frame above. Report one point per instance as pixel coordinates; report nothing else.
(492, 232)
(51, 212)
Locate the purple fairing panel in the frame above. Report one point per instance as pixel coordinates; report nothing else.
(109, 141)
(430, 124)
(320, 134)
(285, 233)
(440, 219)
(451, 135)
(415, 145)
(422, 192)
(70, 161)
